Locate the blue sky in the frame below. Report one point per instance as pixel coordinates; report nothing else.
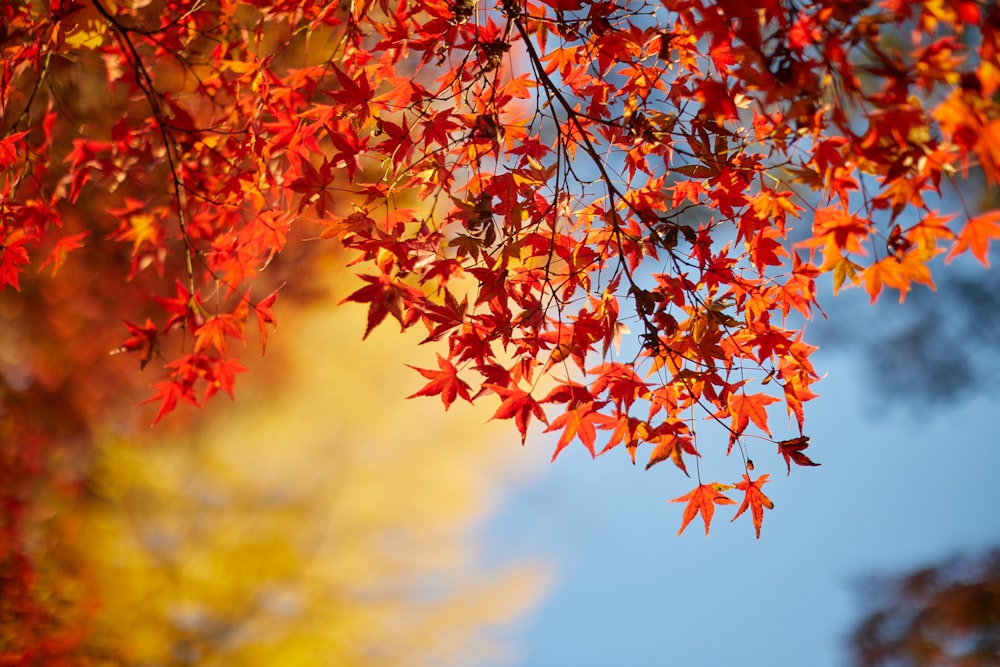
(898, 488)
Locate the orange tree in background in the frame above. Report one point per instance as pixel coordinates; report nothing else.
(525, 181)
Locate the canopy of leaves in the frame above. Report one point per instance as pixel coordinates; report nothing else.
(525, 181)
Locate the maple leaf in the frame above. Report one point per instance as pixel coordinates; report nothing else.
(622, 383)
(183, 309)
(169, 393)
(750, 407)
(444, 382)
(792, 451)
(580, 421)
(703, 499)
(519, 405)
(63, 247)
(976, 236)
(143, 339)
(385, 296)
(670, 446)
(12, 256)
(222, 375)
(845, 269)
(628, 430)
(754, 499)
(265, 315)
(355, 93)
(9, 150)
(216, 331)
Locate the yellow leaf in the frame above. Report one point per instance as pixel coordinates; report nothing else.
(88, 36)
(844, 269)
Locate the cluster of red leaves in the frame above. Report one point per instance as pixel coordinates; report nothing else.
(527, 181)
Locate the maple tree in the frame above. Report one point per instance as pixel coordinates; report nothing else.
(944, 614)
(525, 181)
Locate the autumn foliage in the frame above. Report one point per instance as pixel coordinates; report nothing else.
(609, 219)
(944, 614)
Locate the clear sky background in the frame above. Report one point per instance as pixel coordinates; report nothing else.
(901, 485)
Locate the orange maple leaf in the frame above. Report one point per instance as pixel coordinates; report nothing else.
(671, 446)
(754, 499)
(703, 499)
(216, 331)
(745, 408)
(628, 430)
(580, 422)
(899, 273)
(976, 235)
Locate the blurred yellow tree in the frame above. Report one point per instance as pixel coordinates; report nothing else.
(318, 520)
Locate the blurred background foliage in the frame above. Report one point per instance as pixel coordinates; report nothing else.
(319, 519)
(947, 613)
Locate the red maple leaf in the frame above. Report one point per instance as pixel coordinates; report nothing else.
(143, 339)
(265, 315)
(519, 405)
(169, 393)
(386, 297)
(222, 375)
(755, 499)
(703, 499)
(444, 382)
(792, 451)
(12, 256)
(182, 308)
(355, 94)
